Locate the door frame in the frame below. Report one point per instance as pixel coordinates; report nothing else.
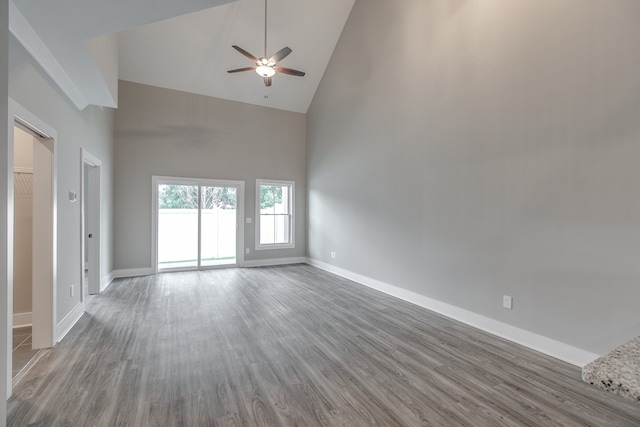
(159, 180)
(45, 291)
(93, 187)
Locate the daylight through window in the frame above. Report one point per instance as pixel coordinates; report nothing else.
(274, 227)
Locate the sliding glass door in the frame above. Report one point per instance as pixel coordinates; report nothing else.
(218, 225)
(177, 226)
(196, 223)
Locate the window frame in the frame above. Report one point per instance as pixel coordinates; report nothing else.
(292, 238)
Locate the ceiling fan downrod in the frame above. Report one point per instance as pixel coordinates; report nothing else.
(265, 28)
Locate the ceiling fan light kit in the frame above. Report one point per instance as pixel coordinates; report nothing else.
(265, 71)
(267, 67)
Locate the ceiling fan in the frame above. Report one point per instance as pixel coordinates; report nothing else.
(267, 67)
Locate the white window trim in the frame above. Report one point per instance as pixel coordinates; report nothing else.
(292, 209)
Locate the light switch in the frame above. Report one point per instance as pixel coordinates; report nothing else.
(73, 196)
(507, 302)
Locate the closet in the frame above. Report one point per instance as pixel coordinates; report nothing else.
(22, 228)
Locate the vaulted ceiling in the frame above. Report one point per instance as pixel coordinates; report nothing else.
(87, 45)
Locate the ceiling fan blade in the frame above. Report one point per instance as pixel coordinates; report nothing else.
(241, 69)
(267, 81)
(290, 71)
(280, 55)
(245, 53)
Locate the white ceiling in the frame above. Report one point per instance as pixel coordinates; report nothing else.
(56, 34)
(183, 45)
(192, 53)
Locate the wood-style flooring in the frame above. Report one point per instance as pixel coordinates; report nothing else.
(293, 346)
(23, 356)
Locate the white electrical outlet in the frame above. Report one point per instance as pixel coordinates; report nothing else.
(247, 251)
(507, 302)
(71, 290)
(333, 255)
(248, 220)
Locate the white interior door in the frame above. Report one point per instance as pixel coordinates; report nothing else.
(43, 244)
(92, 231)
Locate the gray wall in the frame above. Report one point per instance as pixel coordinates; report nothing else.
(468, 149)
(170, 133)
(4, 197)
(92, 129)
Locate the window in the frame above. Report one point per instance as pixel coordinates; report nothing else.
(274, 206)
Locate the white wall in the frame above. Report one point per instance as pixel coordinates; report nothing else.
(23, 226)
(463, 150)
(92, 129)
(169, 133)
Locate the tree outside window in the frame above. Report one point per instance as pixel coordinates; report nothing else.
(186, 197)
(275, 214)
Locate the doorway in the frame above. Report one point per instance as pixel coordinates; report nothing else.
(31, 234)
(90, 223)
(23, 164)
(196, 223)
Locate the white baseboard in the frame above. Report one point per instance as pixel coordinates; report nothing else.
(67, 323)
(21, 320)
(106, 281)
(272, 262)
(131, 272)
(557, 349)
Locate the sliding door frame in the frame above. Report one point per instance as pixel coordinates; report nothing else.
(238, 185)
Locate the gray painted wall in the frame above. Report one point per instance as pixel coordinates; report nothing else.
(169, 133)
(468, 149)
(92, 129)
(4, 197)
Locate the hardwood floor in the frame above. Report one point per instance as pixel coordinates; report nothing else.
(293, 346)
